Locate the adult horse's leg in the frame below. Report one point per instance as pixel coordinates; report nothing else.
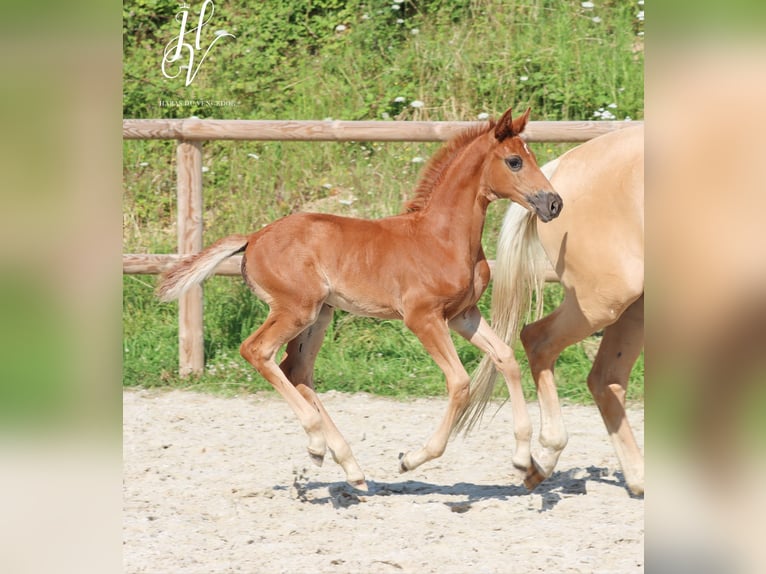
(260, 349)
(432, 331)
(579, 315)
(298, 367)
(543, 341)
(608, 382)
(472, 326)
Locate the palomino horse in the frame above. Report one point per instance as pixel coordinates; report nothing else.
(597, 250)
(425, 266)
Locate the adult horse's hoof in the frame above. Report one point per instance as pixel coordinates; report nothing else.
(636, 489)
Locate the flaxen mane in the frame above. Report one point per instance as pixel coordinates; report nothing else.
(437, 165)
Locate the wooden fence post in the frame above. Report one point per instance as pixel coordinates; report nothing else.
(191, 352)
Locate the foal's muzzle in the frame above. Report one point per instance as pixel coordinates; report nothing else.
(547, 204)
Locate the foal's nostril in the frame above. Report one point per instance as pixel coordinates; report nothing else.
(555, 207)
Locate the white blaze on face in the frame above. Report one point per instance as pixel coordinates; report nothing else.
(526, 149)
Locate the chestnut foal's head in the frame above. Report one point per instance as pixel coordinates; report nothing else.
(512, 172)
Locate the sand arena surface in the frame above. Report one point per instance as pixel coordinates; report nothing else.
(214, 485)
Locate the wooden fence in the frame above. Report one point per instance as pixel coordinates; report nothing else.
(191, 133)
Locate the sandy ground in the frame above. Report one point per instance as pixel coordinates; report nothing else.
(215, 485)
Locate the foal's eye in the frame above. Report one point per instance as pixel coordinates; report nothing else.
(514, 162)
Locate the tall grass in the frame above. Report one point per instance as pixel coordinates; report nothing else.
(460, 59)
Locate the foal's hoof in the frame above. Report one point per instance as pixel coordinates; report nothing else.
(403, 467)
(316, 458)
(534, 476)
(359, 484)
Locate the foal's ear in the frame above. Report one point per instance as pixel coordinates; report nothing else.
(504, 126)
(520, 123)
(507, 127)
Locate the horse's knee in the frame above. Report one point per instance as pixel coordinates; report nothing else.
(505, 359)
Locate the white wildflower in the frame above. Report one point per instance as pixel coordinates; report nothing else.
(416, 104)
(483, 116)
(640, 15)
(415, 31)
(523, 78)
(254, 155)
(596, 19)
(587, 5)
(399, 99)
(396, 7)
(418, 159)
(340, 28)
(205, 169)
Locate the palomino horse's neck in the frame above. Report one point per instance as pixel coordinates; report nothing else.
(458, 204)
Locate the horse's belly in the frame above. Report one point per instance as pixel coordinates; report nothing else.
(362, 307)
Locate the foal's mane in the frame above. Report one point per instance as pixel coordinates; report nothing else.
(436, 167)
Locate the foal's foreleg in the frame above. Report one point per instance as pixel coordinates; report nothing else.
(472, 326)
(298, 367)
(432, 331)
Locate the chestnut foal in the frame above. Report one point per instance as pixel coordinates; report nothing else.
(425, 266)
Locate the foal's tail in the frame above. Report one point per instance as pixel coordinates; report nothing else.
(199, 267)
(518, 275)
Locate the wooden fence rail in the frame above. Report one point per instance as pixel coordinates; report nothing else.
(190, 133)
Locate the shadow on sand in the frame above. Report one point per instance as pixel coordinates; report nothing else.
(560, 485)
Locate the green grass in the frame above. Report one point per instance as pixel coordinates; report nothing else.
(288, 62)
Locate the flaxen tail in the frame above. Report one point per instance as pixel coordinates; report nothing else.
(199, 267)
(517, 284)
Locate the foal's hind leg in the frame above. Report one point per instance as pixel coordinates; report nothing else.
(608, 381)
(431, 329)
(260, 350)
(472, 326)
(298, 367)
